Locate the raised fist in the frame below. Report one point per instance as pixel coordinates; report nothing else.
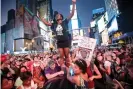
(74, 1)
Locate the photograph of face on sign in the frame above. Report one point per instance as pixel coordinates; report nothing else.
(86, 47)
(84, 52)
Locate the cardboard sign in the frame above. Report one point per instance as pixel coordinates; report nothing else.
(87, 46)
(86, 42)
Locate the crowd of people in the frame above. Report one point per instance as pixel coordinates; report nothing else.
(108, 69)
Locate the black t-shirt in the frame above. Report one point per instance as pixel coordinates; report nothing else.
(61, 30)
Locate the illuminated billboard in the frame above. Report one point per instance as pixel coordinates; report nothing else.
(111, 8)
(93, 23)
(101, 24)
(30, 24)
(43, 10)
(99, 10)
(114, 26)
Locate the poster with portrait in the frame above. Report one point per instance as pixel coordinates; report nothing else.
(87, 46)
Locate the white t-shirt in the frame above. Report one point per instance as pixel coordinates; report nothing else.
(107, 64)
(59, 30)
(18, 82)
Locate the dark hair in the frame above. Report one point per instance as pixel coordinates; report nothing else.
(51, 62)
(82, 65)
(55, 13)
(23, 67)
(26, 59)
(62, 16)
(19, 70)
(5, 71)
(25, 75)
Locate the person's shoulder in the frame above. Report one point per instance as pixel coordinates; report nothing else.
(66, 20)
(107, 63)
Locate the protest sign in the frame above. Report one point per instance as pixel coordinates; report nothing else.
(87, 46)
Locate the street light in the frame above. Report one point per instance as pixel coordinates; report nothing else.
(33, 41)
(29, 44)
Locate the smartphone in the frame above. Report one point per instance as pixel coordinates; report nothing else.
(71, 71)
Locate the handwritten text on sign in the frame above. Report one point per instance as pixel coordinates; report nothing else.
(88, 43)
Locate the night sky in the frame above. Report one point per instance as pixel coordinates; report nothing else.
(6, 5)
(84, 8)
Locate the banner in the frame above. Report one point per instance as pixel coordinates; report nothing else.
(19, 17)
(87, 46)
(31, 25)
(35, 26)
(27, 23)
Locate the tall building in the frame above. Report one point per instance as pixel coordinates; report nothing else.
(94, 30)
(3, 38)
(125, 18)
(24, 29)
(111, 8)
(97, 12)
(119, 13)
(45, 9)
(30, 4)
(122, 10)
(75, 25)
(11, 15)
(7, 31)
(74, 19)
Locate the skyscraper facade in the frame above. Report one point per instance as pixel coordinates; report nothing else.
(25, 23)
(75, 25)
(111, 8)
(119, 13)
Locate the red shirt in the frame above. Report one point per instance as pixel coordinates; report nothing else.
(90, 83)
(3, 58)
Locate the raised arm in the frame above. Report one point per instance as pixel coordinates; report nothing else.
(43, 20)
(73, 9)
(50, 76)
(98, 74)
